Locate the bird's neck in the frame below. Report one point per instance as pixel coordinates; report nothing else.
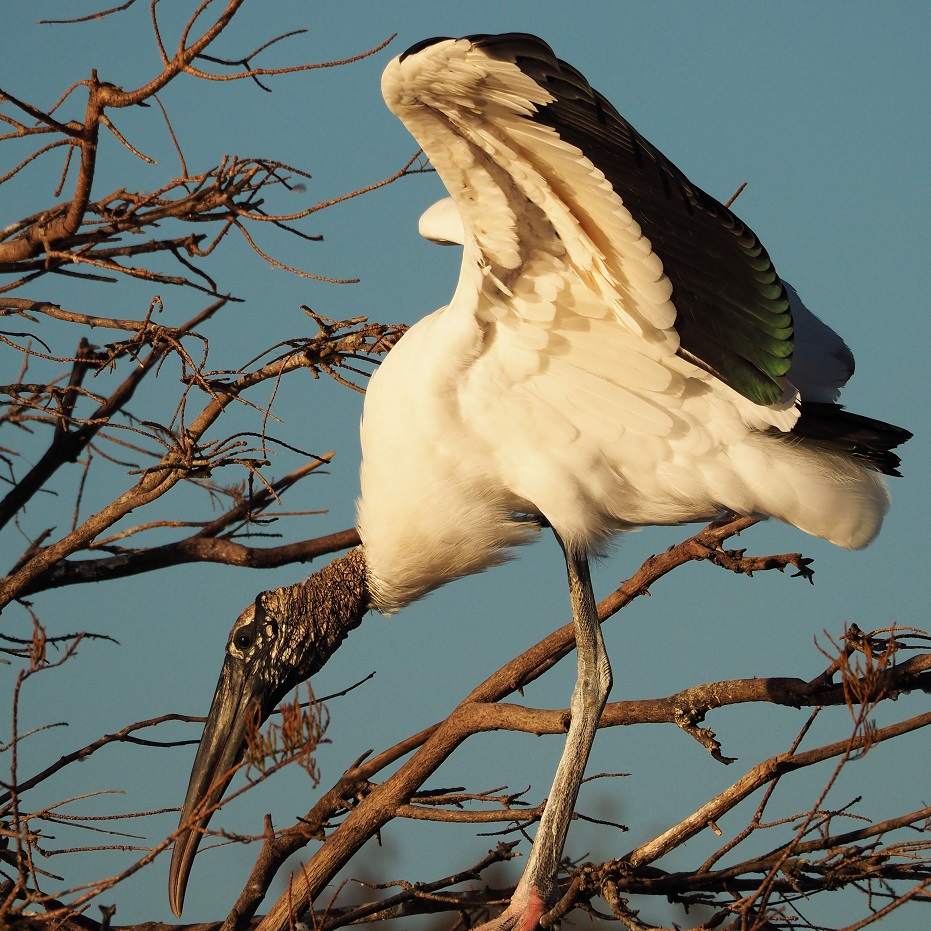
(327, 605)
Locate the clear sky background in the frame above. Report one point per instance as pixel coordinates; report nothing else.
(821, 107)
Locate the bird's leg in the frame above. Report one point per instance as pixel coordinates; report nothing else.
(536, 890)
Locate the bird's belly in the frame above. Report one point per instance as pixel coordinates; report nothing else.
(458, 445)
(451, 468)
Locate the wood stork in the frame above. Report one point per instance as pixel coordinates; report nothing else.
(619, 352)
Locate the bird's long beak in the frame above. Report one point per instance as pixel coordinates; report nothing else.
(238, 704)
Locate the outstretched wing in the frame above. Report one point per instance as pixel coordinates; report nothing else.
(549, 178)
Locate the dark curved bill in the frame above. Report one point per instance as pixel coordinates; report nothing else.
(238, 703)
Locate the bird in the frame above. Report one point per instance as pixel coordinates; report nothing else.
(619, 352)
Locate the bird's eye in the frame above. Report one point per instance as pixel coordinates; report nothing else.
(243, 640)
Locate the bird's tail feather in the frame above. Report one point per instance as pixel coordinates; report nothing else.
(867, 440)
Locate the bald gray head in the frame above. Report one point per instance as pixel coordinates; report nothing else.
(278, 642)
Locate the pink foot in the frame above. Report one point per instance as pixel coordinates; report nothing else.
(522, 914)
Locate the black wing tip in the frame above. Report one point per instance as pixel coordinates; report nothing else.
(508, 42)
(502, 45)
(421, 45)
(864, 438)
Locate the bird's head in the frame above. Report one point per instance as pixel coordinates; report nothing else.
(276, 643)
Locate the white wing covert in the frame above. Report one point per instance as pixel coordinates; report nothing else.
(551, 241)
(542, 167)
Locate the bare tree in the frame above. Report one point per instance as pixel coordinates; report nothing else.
(150, 413)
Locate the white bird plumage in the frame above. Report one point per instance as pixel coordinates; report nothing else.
(551, 384)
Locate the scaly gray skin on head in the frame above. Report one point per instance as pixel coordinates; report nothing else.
(278, 642)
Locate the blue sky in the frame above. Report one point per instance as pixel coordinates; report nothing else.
(823, 110)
